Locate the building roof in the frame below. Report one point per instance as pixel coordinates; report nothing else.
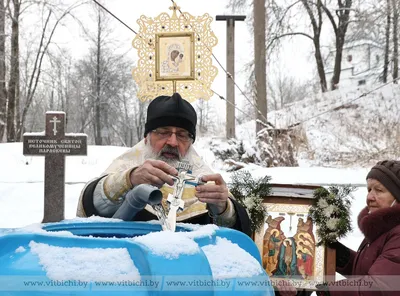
(357, 43)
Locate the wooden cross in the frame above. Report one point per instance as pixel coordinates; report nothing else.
(54, 145)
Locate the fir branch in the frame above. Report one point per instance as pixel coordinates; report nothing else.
(250, 193)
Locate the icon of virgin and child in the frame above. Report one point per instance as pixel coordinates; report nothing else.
(173, 64)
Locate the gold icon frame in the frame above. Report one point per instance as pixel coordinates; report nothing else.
(193, 86)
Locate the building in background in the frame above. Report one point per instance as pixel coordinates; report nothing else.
(362, 63)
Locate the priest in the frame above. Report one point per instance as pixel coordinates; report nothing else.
(169, 134)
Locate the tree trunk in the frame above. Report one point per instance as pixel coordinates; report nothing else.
(387, 41)
(13, 84)
(3, 89)
(66, 103)
(338, 62)
(316, 23)
(320, 65)
(98, 139)
(395, 9)
(260, 62)
(140, 120)
(343, 14)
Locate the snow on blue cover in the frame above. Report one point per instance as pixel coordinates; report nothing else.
(121, 258)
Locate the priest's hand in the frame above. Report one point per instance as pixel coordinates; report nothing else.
(215, 194)
(154, 172)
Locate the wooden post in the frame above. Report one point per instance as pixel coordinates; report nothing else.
(230, 67)
(260, 62)
(54, 145)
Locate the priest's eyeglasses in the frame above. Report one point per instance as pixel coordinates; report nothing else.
(182, 136)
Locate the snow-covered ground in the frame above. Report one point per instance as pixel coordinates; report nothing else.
(345, 126)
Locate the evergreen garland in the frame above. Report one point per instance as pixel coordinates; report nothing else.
(250, 193)
(331, 213)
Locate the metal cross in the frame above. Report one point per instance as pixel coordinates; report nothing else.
(174, 200)
(176, 204)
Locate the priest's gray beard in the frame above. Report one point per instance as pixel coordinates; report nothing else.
(150, 154)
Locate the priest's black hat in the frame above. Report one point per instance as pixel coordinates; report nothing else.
(171, 111)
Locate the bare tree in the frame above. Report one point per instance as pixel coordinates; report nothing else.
(3, 90)
(370, 21)
(205, 117)
(340, 29)
(58, 80)
(111, 114)
(45, 40)
(98, 107)
(139, 116)
(284, 89)
(13, 83)
(316, 23)
(387, 41)
(395, 9)
(202, 115)
(100, 55)
(339, 26)
(20, 91)
(283, 22)
(80, 102)
(126, 112)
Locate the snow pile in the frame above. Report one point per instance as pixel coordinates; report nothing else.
(200, 231)
(173, 244)
(228, 260)
(87, 264)
(20, 249)
(168, 244)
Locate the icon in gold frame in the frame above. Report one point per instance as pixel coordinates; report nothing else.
(175, 56)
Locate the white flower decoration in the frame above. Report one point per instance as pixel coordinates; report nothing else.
(322, 203)
(332, 223)
(329, 210)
